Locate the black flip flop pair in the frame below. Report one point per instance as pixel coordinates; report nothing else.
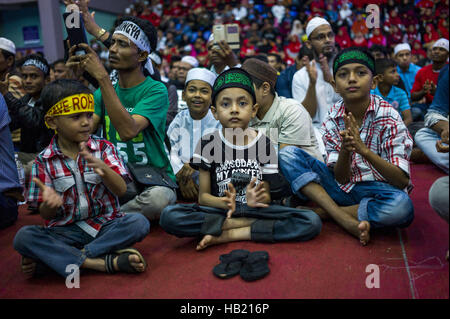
(251, 266)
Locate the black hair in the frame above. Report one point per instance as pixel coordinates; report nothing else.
(378, 48)
(152, 35)
(7, 54)
(381, 65)
(306, 51)
(259, 82)
(59, 89)
(146, 26)
(277, 56)
(38, 57)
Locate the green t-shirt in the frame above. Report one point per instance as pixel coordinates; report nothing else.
(150, 100)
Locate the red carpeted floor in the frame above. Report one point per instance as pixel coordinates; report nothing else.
(411, 263)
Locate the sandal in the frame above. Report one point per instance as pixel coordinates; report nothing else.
(230, 264)
(123, 263)
(255, 266)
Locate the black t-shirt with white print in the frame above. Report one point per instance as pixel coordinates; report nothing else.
(221, 158)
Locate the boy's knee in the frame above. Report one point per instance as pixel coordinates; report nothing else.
(315, 225)
(399, 214)
(23, 237)
(287, 154)
(139, 224)
(167, 218)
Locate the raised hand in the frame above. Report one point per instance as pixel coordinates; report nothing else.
(230, 199)
(92, 162)
(51, 199)
(323, 61)
(89, 62)
(312, 71)
(256, 194)
(227, 54)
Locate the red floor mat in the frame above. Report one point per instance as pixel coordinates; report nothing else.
(333, 265)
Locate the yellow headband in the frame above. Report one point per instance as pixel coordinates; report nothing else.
(77, 103)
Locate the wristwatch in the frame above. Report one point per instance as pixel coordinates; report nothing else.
(100, 33)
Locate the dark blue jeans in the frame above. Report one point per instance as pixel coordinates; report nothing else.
(274, 223)
(381, 204)
(8, 211)
(60, 246)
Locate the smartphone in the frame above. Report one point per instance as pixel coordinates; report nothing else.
(228, 33)
(75, 30)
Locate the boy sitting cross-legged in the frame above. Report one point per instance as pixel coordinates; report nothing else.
(362, 185)
(76, 183)
(236, 165)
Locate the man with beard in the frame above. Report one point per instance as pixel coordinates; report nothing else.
(311, 85)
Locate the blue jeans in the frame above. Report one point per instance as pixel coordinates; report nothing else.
(59, 246)
(274, 223)
(8, 211)
(426, 140)
(418, 111)
(381, 204)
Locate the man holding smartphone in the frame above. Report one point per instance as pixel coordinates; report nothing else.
(221, 58)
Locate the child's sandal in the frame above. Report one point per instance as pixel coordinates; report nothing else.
(123, 262)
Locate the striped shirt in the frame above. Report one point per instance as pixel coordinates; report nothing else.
(383, 132)
(87, 201)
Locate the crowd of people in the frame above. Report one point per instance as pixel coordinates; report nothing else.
(157, 120)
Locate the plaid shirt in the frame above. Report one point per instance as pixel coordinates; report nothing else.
(87, 201)
(383, 132)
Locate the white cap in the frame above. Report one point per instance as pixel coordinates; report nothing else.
(201, 74)
(7, 45)
(401, 47)
(314, 24)
(442, 43)
(191, 60)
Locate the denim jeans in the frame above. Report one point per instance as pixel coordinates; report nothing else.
(418, 111)
(380, 203)
(60, 246)
(8, 211)
(274, 223)
(426, 140)
(150, 202)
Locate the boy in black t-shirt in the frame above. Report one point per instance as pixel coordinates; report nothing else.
(236, 165)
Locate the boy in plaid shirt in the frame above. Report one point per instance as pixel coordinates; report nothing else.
(363, 183)
(75, 183)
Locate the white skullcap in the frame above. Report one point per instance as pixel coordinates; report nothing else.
(191, 60)
(314, 23)
(201, 74)
(401, 47)
(442, 43)
(7, 45)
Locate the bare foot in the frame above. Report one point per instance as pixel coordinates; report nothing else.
(28, 266)
(206, 241)
(135, 262)
(229, 235)
(364, 229)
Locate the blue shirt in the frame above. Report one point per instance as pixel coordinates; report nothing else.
(9, 178)
(396, 97)
(185, 133)
(440, 101)
(284, 81)
(408, 77)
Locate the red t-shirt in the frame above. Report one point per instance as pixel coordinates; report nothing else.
(425, 73)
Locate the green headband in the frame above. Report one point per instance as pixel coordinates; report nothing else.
(232, 78)
(353, 56)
